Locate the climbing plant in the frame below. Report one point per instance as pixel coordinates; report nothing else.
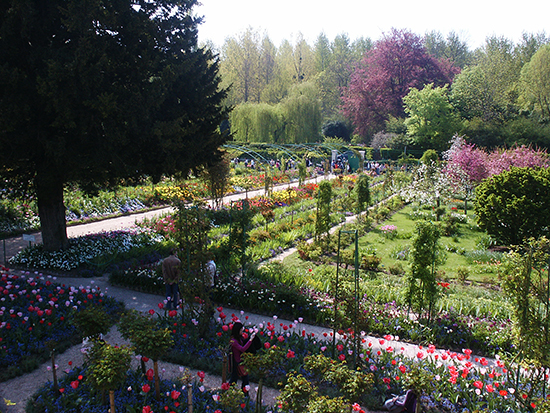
(322, 221)
(192, 226)
(426, 255)
(362, 193)
(525, 277)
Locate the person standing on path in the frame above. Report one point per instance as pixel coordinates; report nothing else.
(239, 344)
(171, 274)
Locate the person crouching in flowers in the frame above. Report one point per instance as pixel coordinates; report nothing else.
(239, 344)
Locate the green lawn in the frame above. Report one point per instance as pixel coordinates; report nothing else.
(462, 250)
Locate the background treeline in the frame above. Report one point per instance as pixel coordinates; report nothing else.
(400, 90)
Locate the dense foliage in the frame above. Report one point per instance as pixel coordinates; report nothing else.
(146, 91)
(397, 63)
(513, 205)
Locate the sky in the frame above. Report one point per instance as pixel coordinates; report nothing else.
(472, 20)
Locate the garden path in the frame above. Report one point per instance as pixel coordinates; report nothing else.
(19, 389)
(12, 246)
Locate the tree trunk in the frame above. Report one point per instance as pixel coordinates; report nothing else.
(49, 194)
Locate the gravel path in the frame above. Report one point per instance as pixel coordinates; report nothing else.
(20, 389)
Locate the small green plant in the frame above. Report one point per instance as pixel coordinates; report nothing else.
(484, 242)
(370, 262)
(322, 222)
(91, 321)
(148, 340)
(362, 193)
(232, 398)
(296, 394)
(303, 395)
(108, 366)
(401, 252)
(396, 269)
(260, 365)
(388, 231)
(418, 380)
(462, 273)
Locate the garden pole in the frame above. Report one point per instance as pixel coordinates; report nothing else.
(224, 368)
(356, 292)
(336, 299)
(356, 298)
(54, 370)
(4, 242)
(244, 228)
(190, 398)
(112, 400)
(547, 324)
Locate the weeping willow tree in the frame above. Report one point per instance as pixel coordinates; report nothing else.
(296, 119)
(242, 122)
(258, 122)
(302, 114)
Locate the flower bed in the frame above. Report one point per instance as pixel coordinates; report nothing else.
(135, 395)
(35, 311)
(449, 381)
(452, 381)
(87, 251)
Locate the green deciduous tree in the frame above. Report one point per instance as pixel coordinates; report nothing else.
(93, 92)
(530, 43)
(322, 53)
(431, 121)
(451, 48)
(513, 205)
(298, 60)
(241, 69)
(397, 63)
(488, 89)
(535, 82)
(336, 76)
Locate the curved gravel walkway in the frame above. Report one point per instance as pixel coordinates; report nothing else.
(18, 390)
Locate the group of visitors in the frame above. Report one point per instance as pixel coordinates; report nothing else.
(171, 273)
(240, 342)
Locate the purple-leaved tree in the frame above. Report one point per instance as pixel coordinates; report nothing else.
(398, 62)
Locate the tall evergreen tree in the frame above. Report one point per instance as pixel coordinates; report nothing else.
(93, 92)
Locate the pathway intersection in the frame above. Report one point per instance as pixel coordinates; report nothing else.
(19, 389)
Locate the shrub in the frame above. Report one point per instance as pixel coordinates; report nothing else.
(370, 262)
(462, 273)
(396, 269)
